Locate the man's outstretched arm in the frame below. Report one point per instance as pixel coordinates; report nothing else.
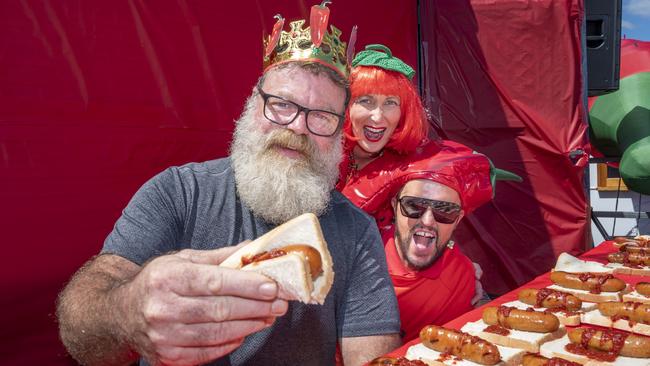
(177, 309)
(86, 311)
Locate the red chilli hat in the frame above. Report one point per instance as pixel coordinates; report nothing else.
(455, 165)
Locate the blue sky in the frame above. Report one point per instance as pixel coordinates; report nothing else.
(636, 19)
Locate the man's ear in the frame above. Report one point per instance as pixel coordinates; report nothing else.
(393, 202)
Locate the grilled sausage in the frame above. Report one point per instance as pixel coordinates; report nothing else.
(526, 320)
(550, 299)
(592, 282)
(633, 311)
(625, 344)
(643, 288)
(311, 255)
(639, 259)
(634, 249)
(460, 344)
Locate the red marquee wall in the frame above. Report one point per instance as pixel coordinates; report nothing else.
(97, 98)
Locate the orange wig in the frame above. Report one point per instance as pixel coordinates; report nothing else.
(412, 128)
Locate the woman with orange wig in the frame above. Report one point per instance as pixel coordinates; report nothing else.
(384, 121)
(385, 116)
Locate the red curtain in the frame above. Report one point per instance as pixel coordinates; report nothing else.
(505, 78)
(96, 97)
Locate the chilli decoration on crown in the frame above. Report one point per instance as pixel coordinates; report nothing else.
(313, 43)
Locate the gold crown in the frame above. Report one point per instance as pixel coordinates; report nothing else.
(298, 44)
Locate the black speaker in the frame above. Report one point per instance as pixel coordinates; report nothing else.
(603, 34)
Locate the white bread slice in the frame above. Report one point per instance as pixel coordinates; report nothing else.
(568, 263)
(570, 319)
(294, 279)
(509, 356)
(588, 296)
(596, 318)
(291, 272)
(636, 297)
(528, 341)
(620, 268)
(556, 349)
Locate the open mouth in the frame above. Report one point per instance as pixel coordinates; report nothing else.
(295, 152)
(423, 240)
(373, 134)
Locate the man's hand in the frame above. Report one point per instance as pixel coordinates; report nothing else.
(178, 309)
(184, 309)
(480, 297)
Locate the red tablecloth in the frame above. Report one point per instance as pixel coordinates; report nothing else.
(597, 254)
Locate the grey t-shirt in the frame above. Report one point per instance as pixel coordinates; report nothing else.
(196, 206)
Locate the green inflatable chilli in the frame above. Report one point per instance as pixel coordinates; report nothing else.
(620, 127)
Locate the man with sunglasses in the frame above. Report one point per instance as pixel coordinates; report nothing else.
(433, 280)
(157, 293)
(418, 201)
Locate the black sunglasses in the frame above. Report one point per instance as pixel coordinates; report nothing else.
(443, 212)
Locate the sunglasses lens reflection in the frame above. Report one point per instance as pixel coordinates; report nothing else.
(443, 212)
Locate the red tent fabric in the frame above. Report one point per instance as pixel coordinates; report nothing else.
(505, 78)
(95, 98)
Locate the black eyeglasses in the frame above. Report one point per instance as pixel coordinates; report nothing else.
(444, 212)
(282, 112)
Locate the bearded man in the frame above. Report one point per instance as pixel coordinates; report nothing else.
(137, 301)
(418, 200)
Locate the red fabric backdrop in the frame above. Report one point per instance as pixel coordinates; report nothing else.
(505, 78)
(95, 98)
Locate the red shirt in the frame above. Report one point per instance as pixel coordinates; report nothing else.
(435, 295)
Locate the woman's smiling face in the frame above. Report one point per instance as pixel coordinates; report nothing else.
(374, 118)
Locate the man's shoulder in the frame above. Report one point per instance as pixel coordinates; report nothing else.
(192, 176)
(340, 203)
(197, 171)
(342, 206)
(209, 167)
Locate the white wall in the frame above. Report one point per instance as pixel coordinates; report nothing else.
(627, 201)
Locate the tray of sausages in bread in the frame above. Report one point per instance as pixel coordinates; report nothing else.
(599, 346)
(512, 327)
(528, 359)
(566, 307)
(449, 347)
(633, 256)
(586, 280)
(589, 316)
(640, 240)
(623, 315)
(614, 332)
(641, 293)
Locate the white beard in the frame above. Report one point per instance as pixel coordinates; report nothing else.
(275, 187)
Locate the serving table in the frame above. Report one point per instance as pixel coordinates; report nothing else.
(597, 254)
